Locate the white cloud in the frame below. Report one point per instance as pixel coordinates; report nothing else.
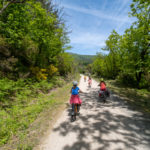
(98, 13)
(89, 35)
(123, 9)
(89, 39)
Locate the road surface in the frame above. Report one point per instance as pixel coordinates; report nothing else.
(110, 126)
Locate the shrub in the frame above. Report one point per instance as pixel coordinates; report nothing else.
(126, 78)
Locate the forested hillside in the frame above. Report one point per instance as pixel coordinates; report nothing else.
(129, 54)
(83, 62)
(83, 59)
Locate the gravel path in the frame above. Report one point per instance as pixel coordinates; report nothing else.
(110, 126)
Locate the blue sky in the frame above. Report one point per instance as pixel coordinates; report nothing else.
(91, 22)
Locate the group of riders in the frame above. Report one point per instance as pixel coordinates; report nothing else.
(75, 90)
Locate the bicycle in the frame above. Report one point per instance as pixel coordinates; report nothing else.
(103, 96)
(89, 85)
(75, 111)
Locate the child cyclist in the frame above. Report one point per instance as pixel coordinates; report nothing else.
(75, 99)
(89, 81)
(103, 87)
(84, 78)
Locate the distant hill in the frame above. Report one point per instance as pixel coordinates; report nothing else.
(83, 59)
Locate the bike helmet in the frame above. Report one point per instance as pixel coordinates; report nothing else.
(75, 82)
(101, 79)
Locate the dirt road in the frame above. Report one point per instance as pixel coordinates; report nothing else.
(110, 126)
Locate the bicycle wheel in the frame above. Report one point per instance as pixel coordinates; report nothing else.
(74, 112)
(76, 109)
(104, 98)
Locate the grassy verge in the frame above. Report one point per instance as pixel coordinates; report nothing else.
(139, 98)
(26, 118)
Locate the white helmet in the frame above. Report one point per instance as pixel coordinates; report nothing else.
(75, 82)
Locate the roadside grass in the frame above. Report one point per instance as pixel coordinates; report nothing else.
(139, 98)
(30, 113)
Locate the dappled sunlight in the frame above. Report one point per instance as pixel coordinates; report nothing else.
(108, 125)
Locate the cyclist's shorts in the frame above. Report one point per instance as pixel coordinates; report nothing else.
(75, 99)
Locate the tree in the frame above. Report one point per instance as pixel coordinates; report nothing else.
(66, 64)
(141, 10)
(4, 4)
(113, 60)
(34, 32)
(129, 54)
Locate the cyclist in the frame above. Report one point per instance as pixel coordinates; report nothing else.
(75, 99)
(84, 78)
(90, 81)
(102, 86)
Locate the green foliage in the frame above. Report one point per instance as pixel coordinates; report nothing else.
(127, 79)
(20, 103)
(24, 147)
(58, 81)
(33, 34)
(129, 54)
(83, 62)
(66, 64)
(83, 59)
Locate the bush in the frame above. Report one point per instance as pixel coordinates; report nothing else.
(126, 78)
(20, 103)
(145, 81)
(57, 81)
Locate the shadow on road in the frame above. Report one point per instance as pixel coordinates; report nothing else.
(109, 126)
